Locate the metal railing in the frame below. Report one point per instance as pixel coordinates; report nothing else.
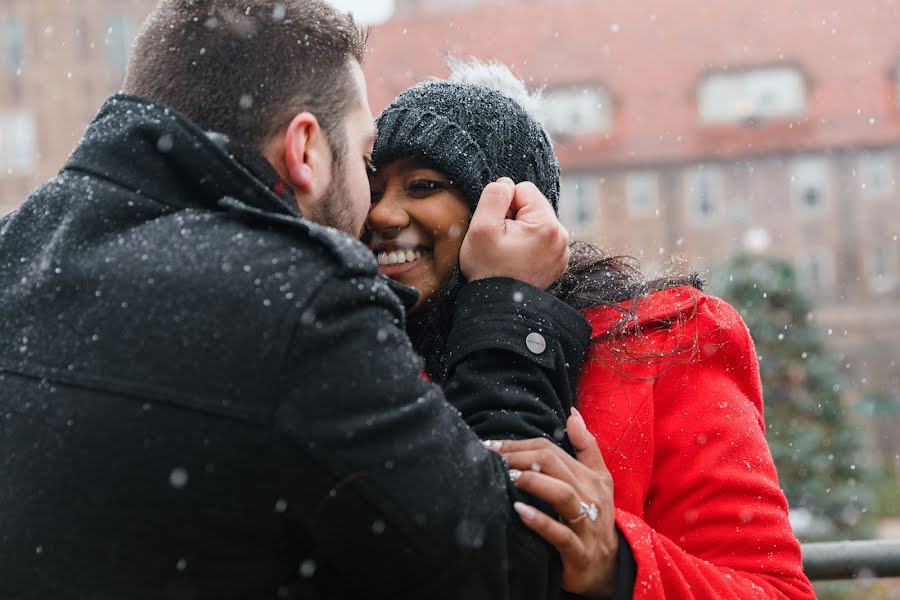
(849, 560)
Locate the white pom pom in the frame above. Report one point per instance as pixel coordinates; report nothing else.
(498, 77)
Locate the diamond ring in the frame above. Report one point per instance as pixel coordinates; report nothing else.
(585, 510)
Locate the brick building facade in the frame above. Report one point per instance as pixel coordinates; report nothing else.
(684, 130)
(688, 132)
(58, 60)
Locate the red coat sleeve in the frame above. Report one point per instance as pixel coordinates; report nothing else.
(715, 522)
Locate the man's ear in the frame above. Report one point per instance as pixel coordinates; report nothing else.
(306, 154)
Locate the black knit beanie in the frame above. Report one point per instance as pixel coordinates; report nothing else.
(471, 133)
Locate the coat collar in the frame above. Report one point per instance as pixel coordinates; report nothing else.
(152, 149)
(659, 307)
(149, 148)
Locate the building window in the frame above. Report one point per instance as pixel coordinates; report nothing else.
(570, 111)
(17, 143)
(642, 192)
(703, 195)
(815, 270)
(809, 185)
(119, 35)
(882, 268)
(578, 201)
(11, 32)
(876, 173)
(752, 96)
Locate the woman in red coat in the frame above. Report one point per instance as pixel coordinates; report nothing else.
(672, 492)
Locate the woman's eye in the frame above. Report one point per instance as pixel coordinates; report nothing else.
(370, 167)
(425, 187)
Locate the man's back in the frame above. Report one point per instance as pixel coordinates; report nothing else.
(120, 378)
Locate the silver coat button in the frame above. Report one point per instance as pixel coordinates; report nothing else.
(536, 343)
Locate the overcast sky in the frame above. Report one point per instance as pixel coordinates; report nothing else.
(366, 11)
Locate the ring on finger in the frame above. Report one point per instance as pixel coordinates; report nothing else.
(585, 511)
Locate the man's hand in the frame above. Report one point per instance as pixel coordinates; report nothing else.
(514, 233)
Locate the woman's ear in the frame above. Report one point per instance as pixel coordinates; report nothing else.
(305, 154)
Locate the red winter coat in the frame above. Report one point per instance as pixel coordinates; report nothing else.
(696, 491)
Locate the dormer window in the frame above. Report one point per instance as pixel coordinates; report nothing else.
(749, 97)
(576, 110)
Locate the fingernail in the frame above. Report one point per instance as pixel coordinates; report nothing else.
(492, 445)
(506, 181)
(525, 511)
(514, 474)
(577, 414)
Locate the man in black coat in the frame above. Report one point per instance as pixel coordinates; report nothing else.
(207, 393)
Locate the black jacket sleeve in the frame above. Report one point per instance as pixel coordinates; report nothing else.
(395, 490)
(515, 356)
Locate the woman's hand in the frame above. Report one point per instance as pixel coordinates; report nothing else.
(581, 493)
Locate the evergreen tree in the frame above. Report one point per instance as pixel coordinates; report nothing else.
(816, 450)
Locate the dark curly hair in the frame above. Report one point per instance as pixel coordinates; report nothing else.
(592, 279)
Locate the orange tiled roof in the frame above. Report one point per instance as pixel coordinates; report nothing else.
(651, 54)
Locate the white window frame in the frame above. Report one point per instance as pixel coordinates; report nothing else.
(882, 282)
(763, 94)
(825, 260)
(120, 34)
(810, 171)
(13, 43)
(578, 192)
(18, 142)
(638, 185)
(874, 161)
(711, 177)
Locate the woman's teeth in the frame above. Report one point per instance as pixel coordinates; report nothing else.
(398, 257)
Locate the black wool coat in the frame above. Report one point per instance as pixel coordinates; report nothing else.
(204, 395)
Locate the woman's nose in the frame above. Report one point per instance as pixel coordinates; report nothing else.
(387, 214)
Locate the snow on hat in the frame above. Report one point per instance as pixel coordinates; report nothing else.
(474, 128)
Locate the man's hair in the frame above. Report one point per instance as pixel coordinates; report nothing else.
(244, 68)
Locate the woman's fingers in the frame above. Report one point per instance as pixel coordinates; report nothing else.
(552, 462)
(543, 455)
(587, 452)
(555, 533)
(563, 497)
(504, 446)
(586, 449)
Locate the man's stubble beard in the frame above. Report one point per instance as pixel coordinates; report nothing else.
(337, 205)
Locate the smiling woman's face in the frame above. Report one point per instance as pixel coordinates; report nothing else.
(416, 225)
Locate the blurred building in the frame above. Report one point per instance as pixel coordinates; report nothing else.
(58, 60)
(684, 129)
(696, 130)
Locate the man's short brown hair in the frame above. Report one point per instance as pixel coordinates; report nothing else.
(244, 68)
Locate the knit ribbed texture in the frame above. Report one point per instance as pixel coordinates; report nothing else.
(471, 133)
